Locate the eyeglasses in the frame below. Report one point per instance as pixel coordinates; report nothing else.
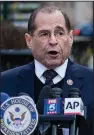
(45, 34)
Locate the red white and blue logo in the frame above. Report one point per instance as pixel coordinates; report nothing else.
(52, 106)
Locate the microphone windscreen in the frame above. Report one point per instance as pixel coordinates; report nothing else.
(74, 92)
(57, 92)
(4, 97)
(23, 94)
(26, 96)
(44, 94)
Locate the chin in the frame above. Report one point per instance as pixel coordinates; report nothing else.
(52, 65)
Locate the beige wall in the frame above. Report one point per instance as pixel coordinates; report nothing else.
(78, 12)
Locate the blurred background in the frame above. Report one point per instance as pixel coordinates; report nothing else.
(14, 19)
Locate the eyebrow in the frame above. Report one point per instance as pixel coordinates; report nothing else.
(59, 28)
(42, 31)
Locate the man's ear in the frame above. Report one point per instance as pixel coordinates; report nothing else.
(28, 40)
(71, 37)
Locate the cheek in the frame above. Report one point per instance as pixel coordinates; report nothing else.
(65, 46)
(38, 47)
(38, 44)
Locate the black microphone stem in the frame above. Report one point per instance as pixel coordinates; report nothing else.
(56, 93)
(54, 130)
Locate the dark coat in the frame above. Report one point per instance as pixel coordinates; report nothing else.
(21, 79)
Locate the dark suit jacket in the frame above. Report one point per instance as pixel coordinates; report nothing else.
(21, 79)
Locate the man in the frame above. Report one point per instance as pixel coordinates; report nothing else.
(50, 39)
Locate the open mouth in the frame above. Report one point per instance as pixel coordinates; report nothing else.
(53, 52)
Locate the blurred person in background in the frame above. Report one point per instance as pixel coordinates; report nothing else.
(50, 39)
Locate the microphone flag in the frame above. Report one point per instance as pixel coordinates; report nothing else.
(73, 106)
(52, 106)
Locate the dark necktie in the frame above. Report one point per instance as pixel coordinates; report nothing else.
(49, 75)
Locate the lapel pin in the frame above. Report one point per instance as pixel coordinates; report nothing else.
(69, 82)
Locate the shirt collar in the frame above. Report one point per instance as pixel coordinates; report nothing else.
(61, 70)
(40, 68)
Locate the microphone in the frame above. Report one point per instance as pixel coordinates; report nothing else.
(74, 104)
(22, 94)
(44, 94)
(27, 97)
(57, 92)
(74, 93)
(4, 97)
(53, 105)
(56, 107)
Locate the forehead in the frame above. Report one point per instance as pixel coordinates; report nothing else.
(49, 20)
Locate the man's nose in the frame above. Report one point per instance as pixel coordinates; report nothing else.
(52, 39)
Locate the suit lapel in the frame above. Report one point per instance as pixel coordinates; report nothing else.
(71, 80)
(26, 80)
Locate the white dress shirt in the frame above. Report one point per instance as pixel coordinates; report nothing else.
(40, 69)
